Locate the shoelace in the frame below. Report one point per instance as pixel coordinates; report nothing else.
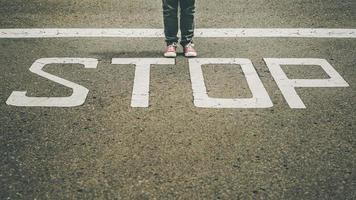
(173, 45)
(190, 46)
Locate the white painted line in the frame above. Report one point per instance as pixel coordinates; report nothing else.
(158, 33)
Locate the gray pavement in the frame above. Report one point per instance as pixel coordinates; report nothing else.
(105, 149)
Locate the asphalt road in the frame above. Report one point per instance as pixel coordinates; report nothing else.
(105, 149)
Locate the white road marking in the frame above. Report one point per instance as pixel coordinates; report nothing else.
(287, 86)
(158, 33)
(260, 97)
(140, 92)
(78, 97)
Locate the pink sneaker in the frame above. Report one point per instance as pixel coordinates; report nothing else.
(171, 51)
(189, 50)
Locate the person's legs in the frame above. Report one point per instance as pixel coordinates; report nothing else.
(187, 11)
(170, 19)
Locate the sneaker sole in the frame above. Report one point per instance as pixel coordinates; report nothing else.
(170, 55)
(190, 55)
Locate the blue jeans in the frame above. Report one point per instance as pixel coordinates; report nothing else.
(170, 19)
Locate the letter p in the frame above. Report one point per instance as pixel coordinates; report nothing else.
(287, 86)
